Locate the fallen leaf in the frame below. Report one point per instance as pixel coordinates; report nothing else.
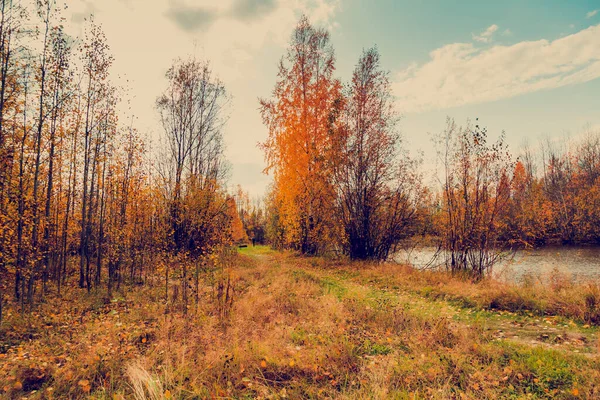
(85, 385)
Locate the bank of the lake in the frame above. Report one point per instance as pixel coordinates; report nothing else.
(579, 264)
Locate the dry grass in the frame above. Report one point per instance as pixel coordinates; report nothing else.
(143, 384)
(559, 297)
(297, 328)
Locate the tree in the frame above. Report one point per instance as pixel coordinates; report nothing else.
(97, 104)
(59, 63)
(376, 188)
(75, 183)
(300, 118)
(193, 112)
(586, 185)
(476, 188)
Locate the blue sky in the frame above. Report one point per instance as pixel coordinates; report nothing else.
(530, 68)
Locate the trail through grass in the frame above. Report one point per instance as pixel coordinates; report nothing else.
(298, 328)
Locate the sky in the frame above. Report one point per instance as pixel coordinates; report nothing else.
(528, 68)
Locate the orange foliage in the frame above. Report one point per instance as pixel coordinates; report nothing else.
(297, 151)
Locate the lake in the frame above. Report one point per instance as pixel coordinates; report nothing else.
(580, 264)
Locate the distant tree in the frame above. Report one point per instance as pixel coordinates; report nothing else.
(274, 226)
(476, 190)
(587, 186)
(527, 219)
(252, 216)
(238, 233)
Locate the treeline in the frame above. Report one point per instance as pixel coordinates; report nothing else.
(81, 200)
(490, 201)
(253, 218)
(555, 195)
(343, 183)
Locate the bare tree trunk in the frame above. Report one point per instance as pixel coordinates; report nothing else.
(21, 259)
(83, 246)
(38, 154)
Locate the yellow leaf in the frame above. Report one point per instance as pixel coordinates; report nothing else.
(263, 364)
(575, 392)
(292, 363)
(168, 394)
(18, 385)
(85, 385)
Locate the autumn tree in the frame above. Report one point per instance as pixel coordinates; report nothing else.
(11, 21)
(300, 118)
(97, 104)
(570, 182)
(193, 112)
(59, 132)
(61, 93)
(79, 194)
(377, 188)
(252, 216)
(587, 220)
(275, 230)
(476, 188)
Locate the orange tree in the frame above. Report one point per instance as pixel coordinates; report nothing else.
(300, 118)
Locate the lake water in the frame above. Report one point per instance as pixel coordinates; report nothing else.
(580, 264)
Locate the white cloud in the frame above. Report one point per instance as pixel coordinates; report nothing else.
(486, 36)
(460, 73)
(507, 32)
(591, 14)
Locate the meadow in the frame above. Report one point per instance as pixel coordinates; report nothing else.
(297, 327)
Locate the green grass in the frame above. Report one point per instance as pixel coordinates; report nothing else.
(256, 250)
(303, 328)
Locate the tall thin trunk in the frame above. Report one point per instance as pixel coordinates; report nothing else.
(38, 155)
(21, 257)
(83, 246)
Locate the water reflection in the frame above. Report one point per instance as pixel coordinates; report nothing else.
(580, 264)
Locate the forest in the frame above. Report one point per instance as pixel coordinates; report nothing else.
(133, 270)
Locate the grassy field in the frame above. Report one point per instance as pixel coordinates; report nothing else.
(310, 328)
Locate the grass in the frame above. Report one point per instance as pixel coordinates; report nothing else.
(309, 328)
(580, 302)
